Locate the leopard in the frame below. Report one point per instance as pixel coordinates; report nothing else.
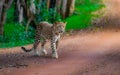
(47, 32)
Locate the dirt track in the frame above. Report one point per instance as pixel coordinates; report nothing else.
(79, 54)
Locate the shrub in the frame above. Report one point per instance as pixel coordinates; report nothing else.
(46, 14)
(14, 35)
(83, 14)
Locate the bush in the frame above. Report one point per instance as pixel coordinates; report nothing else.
(45, 14)
(10, 15)
(15, 35)
(83, 14)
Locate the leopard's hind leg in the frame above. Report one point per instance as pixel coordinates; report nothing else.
(36, 52)
(35, 45)
(43, 51)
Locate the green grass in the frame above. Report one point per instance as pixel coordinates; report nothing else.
(83, 14)
(14, 35)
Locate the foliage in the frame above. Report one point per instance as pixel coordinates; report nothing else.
(83, 14)
(45, 14)
(10, 15)
(14, 35)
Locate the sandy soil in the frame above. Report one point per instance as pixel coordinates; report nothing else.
(80, 54)
(93, 53)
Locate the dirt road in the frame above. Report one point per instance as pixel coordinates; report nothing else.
(81, 54)
(93, 53)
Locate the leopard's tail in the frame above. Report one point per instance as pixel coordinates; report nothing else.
(25, 50)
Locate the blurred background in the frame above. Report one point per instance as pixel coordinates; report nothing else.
(19, 16)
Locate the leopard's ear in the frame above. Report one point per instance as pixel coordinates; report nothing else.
(56, 22)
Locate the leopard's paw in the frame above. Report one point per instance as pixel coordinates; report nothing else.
(43, 52)
(55, 55)
(36, 53)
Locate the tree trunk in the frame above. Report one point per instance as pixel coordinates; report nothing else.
(24, 9)
(70, 7)
(52, 3)
(1, 29)
(58, 5)
(9, 3)
(4, 5)
(21, 15)
(3, 16)
(21, 11)
(31, 16)
(1, 8)
(48, 4)
(63, 8)
(16, 12)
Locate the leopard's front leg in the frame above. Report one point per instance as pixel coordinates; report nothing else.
(54, 43)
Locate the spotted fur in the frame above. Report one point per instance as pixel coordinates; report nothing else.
(44, 32)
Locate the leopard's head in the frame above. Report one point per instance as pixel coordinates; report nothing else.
(59, 27)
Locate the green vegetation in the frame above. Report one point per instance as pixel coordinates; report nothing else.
(83, 14)
(45, 14)
(14, 34)
(10, 15)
